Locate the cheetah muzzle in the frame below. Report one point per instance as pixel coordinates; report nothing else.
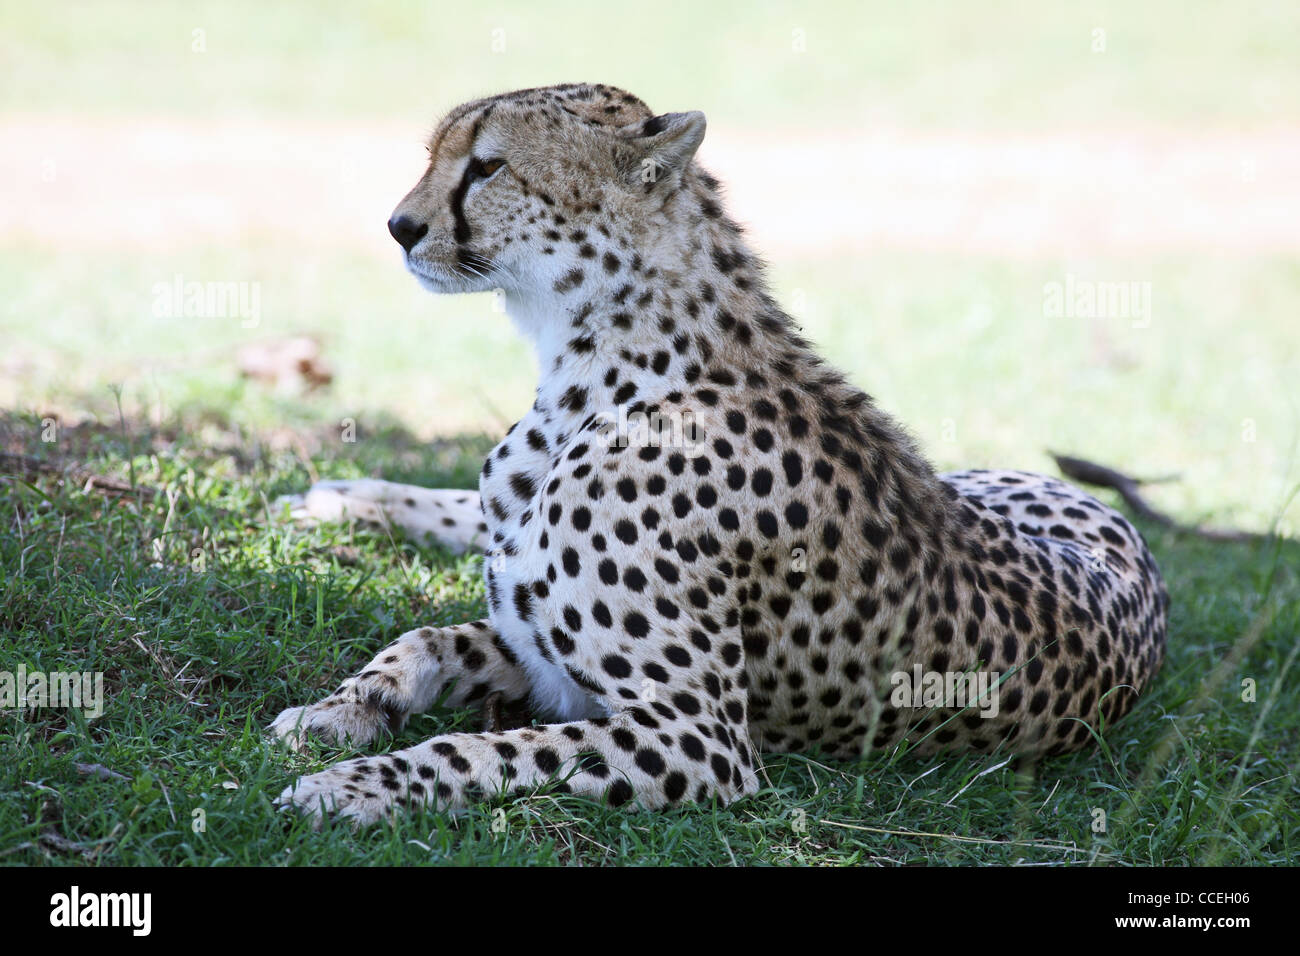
(702, 542)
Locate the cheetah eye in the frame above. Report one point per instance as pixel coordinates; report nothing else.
(485, 168)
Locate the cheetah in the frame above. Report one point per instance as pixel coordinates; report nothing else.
(702, 542)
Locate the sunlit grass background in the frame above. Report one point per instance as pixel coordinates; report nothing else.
(1003, 64)
(267, 143)
(937, 335)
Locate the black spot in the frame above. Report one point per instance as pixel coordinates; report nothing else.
(649, 761)
(721, 768)
(616, 666)
(619, 793)
(572, 565)
(547, 760)
(691, 746)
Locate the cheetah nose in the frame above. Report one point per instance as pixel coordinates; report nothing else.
(406, 231)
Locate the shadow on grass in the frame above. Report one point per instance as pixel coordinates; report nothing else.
(379, 446)
(206, 614)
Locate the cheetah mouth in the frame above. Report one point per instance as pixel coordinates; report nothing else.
(435, 277)
(469, 274)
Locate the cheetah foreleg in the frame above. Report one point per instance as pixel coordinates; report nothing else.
(617, 760)
(405, 678)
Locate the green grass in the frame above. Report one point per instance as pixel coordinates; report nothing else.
(196, 662)
(203, 638)
(198, 655)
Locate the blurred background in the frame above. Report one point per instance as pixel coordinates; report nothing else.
(940, 191)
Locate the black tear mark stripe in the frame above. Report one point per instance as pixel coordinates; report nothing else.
(461, 233)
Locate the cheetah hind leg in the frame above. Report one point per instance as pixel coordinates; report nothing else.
(452, 517)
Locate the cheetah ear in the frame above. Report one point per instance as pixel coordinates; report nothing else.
(663, 146)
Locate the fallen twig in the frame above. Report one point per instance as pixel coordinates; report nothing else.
(29, 467)
(57, 841)
(100, 771)
(957, 838)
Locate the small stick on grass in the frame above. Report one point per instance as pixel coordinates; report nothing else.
(100, 771)
(29, 467)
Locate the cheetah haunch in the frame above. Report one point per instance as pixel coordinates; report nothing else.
(758, 580)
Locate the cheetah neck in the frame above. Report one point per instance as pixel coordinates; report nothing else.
(691, 311)
(656, 308)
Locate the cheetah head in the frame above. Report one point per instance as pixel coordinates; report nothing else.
(524, 190)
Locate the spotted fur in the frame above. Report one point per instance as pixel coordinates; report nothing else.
(672, 610)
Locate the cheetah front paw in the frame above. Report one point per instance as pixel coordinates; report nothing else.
(341, 792)
(379, 700)
(340, 719)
